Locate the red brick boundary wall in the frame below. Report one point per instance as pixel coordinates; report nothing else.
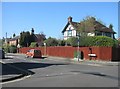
(102, 53)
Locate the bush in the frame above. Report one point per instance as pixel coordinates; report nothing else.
(6, 48)
(73, 41)
(13, 49)
(93, 41)
(103, 41)
(34, 44)
(61, 42)
(81, 54)
(75, 54)
(51, 42)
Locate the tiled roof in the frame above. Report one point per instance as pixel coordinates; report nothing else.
(97, 27)
(102, 28)
(8, 39)
(37, 35)
(15, 38)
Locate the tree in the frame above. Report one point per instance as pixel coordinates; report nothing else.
(51, 42)
(0, 43)
(111, 26)
(21, 39)
(14, 35)
(25, 39)
(32, 36)
(61, 42)
(84, 25)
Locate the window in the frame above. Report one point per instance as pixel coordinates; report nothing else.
(108, 34)
(99, 33)
(31, 51)
(69, 33)
(37, 51)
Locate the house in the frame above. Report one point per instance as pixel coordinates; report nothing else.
(97, 29)
(6, 40)
(13, 41)
(39, 38)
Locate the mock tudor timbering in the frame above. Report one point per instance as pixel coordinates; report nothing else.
(70, 30)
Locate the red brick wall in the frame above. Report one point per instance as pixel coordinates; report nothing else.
(103, 53)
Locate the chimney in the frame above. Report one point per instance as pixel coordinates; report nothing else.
(69, 19)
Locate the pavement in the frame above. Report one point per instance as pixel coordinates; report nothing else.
(5, 76)
(89, 62)
(12, 73)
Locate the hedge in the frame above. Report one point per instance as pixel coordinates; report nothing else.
(93, 41)
(13, 49)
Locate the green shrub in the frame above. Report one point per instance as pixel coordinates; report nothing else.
(61, 42)
(72, 41)
(13, 49)
(81, 54)
(34, 44)
(75, 54)
(6, 48)
(93, 41)
(51, 42)
(102, 41)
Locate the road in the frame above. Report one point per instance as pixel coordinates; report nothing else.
(57, 72)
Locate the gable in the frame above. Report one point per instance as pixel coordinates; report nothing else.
(65, 27)
(70, 27)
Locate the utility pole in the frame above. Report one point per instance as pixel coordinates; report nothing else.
(78, 52)
(6, 38)
(6, 35)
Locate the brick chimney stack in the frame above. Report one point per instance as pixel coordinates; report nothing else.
(69, 19)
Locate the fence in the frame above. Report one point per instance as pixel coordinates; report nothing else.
(102, 53)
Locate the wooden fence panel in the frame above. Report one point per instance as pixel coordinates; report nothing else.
(102, 53)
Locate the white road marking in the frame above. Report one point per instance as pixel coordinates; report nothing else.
(10, 56)
(19, 78)
(16, 80)
(8, 59)
(94, 64)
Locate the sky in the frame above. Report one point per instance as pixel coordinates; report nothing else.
(51, 17)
